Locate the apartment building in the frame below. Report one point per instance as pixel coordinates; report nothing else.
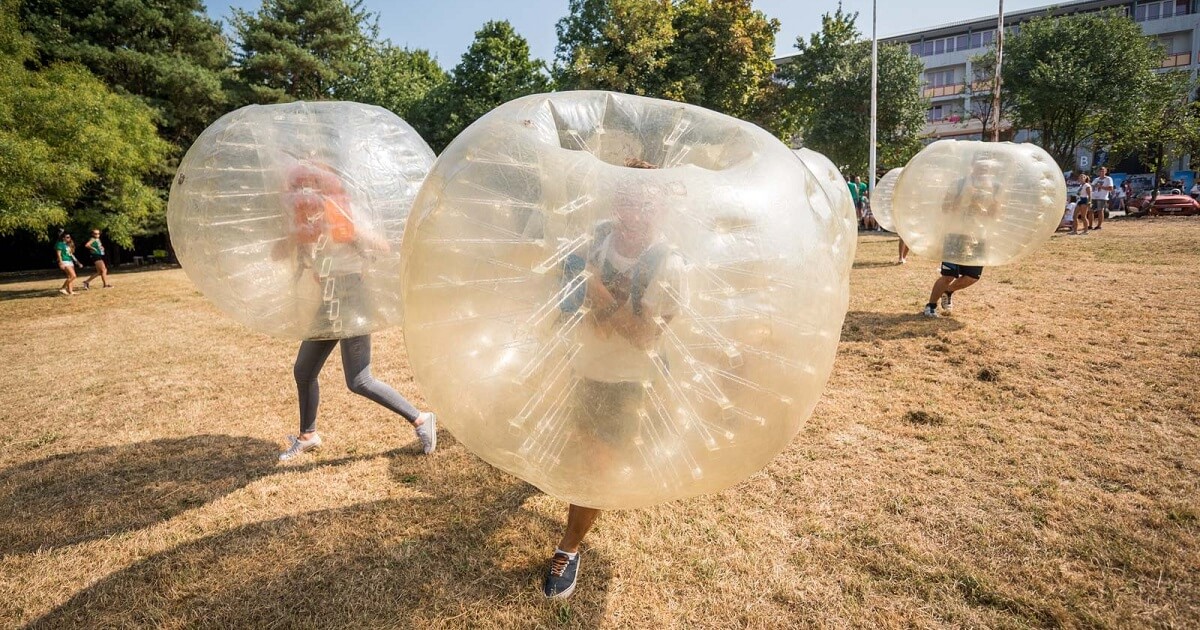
(946, 52)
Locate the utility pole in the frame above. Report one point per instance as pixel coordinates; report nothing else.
(996, 82)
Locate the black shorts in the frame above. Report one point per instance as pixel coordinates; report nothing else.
(954, 270)
(96, 259)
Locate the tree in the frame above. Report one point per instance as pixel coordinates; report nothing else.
(71, 150)
(829, 96)
(496, 69)
(1070, 86)
(395, 78)
(168, 52)
(712, 53)
(300, 49)
(1169, 123)
(721, 57)
(618, 45)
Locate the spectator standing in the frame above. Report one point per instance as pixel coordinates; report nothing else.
(1083, 212)
(1101, 190)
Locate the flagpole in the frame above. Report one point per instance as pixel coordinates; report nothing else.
(874, 91)
(996, 82)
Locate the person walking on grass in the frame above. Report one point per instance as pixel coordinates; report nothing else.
(1102, 189)
(953, 278)
(64, 252)
(95, 249)
(322, 223)
(633, 274)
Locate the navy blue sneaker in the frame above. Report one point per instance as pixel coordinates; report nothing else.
(560, 577)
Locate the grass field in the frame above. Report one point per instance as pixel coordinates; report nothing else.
(1033, 461)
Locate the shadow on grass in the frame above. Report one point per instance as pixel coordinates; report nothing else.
(869, 326)
(875, 265)
(437, 559)
(29, 293)
(76, 497)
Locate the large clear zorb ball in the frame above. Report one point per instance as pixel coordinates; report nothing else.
(622, 300)
(978, 203)
(881, 199)
(290, 217)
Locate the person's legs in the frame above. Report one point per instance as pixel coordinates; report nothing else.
(903, 252)
(579, 522)
(102, 268)
(356, 361)
(1099, 214)
(961, 283)
(309, 362)
(95, 274)
(67, 286)
(564, 565)
(943, 283)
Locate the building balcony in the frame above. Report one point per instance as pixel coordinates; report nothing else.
(1178, 60)
(944, 90)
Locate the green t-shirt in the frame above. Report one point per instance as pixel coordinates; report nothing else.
(853, 190)
(64, 252)
(862, 189)
(97, 248)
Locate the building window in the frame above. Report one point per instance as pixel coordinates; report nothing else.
(1159, 10)
(915, 49)
(928, 48)
(963, 40)
(936, 113)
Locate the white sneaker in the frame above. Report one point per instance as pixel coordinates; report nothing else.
(427, 432)
(929, 311)
(299, 446)
(947, 303)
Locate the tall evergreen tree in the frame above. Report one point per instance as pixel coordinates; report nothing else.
(300, 49)
(168, 52)
(495, 69)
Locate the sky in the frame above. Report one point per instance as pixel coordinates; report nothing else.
(446, 27)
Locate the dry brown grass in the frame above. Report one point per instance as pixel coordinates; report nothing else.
(1034, 461)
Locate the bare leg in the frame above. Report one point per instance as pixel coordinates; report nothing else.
(903, 252)
(579, 521)
(941, 286)
(960, 283)
(1100, 214)
(68, 284)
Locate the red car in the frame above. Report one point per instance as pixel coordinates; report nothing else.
(1169, 202)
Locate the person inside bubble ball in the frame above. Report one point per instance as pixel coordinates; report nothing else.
(632, 273)
(978, 196)
(325, 239)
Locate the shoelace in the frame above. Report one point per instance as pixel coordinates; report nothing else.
(558, 564)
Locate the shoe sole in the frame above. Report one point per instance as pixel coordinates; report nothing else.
(564, 594)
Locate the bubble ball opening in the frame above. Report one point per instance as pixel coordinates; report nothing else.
(623, 300)
(978, 203)
(290, 217)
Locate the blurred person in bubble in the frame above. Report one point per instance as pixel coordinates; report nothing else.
(978, 195)
(632, 274)
(332, 247)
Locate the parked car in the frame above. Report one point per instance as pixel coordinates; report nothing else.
(1170, 201)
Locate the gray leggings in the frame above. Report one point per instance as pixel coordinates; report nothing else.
(356, 361)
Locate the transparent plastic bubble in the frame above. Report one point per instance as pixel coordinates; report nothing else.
(978, 203)
(881, 199)
(836, 196)
(290, 217)
(620, 336)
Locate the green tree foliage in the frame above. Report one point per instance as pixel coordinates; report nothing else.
(1168, 124)
(300, 49)
(712, 53)
(71, 151)
(1072, 86)
(829, 96)
(395, 78)
(165, 51)
(618, 45)
(495, 69)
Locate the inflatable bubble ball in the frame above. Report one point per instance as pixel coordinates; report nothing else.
(290, 217)
(623, 300)
(836, 195)
(881, 199)
(978, 203)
